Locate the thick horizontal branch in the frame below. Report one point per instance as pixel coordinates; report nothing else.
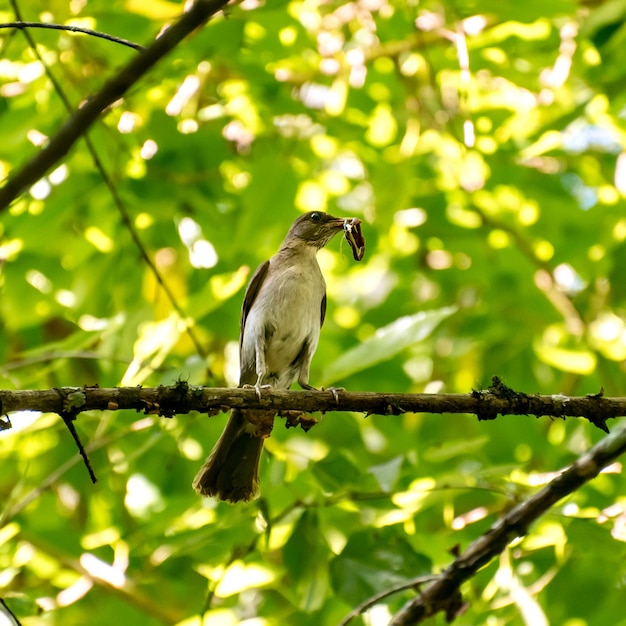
(443, 594)
(61, 143)
(183, 398)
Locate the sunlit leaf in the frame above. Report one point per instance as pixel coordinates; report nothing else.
(386, 343)
(239, 577)
(577, 361)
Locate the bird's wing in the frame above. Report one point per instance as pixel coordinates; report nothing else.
(252, 291)
(323, 312)
(247, 374)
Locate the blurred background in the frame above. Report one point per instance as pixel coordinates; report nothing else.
(481, 143)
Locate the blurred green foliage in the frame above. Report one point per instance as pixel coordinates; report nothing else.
(482, 143)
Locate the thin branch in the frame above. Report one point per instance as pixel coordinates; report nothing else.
(54, 355)
(78, 123)
(20, 25)
(130, 227)
(183, 398)
(414, 583)
(10, 612)
(444, 593)
(121, 207)
(81, 449)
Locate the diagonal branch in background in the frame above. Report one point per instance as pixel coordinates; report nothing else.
(183, 398)
(444, 593)
(128, 223)
(61, 143)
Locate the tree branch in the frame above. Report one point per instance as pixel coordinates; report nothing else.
(444, 593)
(61, 143)
(73, 29)
(183, 398)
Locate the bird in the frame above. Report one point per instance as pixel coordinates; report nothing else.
(282, 314)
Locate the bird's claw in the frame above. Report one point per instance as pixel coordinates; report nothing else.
(335, 391)
(257, 388)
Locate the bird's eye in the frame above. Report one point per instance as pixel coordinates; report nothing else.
(316, 217)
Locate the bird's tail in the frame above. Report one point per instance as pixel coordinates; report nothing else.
(231, 472)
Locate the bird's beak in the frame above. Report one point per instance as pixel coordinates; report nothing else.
(328, 229)
(336, 223)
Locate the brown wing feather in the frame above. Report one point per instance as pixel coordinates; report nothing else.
(252, 291)
(323, 311)
(247, 374)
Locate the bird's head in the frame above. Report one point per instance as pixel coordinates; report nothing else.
(315, 229)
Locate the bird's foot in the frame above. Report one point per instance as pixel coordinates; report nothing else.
(257, 388)
(335, 391)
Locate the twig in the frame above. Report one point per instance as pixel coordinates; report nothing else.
(71, 402)
(78, 123)
(134, 235)
(20, 25)
(443, 594)
(361, 608)
(79, 444)
(10, 612)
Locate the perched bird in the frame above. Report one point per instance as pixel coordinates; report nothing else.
(282, 314)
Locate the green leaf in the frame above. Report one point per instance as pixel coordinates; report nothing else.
(373, 561)
(338, 473)
(306, 556)
(453, 448)
(386, 343)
